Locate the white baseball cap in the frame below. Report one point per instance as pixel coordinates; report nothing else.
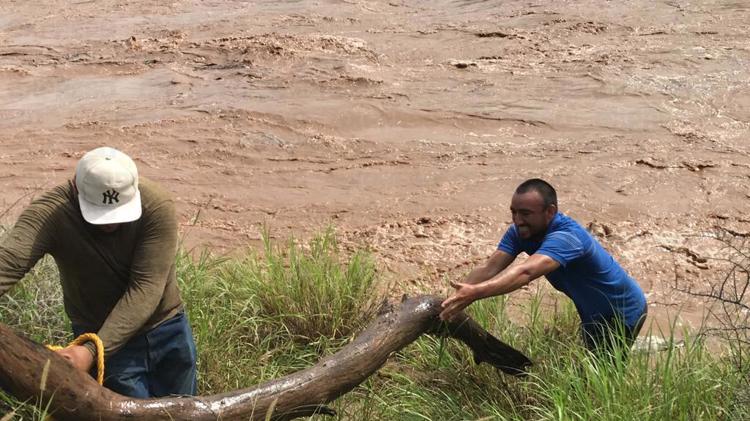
(107, 183)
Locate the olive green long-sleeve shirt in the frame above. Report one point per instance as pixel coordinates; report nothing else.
(115, 284)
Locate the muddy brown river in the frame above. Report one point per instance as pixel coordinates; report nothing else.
(404, 124)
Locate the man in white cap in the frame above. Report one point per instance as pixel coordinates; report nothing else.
(114, 240)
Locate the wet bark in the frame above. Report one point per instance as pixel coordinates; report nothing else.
(29, 371)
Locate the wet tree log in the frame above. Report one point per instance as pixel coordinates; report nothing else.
(30, 372)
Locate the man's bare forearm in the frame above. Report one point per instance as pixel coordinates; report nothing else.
(479, 274)
(517, 276)
(510, 280)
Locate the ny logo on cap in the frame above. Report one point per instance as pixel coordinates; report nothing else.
(109, 196)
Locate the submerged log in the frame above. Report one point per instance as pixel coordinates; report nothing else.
(29, 371)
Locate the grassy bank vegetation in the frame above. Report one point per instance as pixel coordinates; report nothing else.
(268, 314)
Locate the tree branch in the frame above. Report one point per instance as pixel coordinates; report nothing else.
(29, 371)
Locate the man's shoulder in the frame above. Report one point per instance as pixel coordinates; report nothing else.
(152, 193)
(565, 223)
(565, 227)
(156, 202)
(58, 197)
(53, 208)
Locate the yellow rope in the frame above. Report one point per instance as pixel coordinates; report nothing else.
(89, 337)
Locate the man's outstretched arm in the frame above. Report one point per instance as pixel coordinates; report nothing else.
(509, 280)
(496, 263)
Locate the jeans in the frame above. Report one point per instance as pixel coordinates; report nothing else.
(601, 337)
(160, 362)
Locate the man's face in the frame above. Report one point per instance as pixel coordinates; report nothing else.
(530, 216)
(108, 228)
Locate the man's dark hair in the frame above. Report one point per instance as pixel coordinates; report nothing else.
(542, 187)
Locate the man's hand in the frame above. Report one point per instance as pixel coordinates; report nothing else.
(465, 294)
(79, 356)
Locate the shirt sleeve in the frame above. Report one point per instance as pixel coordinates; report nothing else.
(153, 263)
(27, 242)
(509, 243)
(563, 247)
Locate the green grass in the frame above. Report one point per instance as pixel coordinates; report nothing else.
(277, 310)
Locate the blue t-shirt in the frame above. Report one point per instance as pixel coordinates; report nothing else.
(597, 284)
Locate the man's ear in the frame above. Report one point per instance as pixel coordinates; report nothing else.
(550, 212)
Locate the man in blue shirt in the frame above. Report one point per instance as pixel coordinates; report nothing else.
(610, 303)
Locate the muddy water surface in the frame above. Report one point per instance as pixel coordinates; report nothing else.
(406, 124)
